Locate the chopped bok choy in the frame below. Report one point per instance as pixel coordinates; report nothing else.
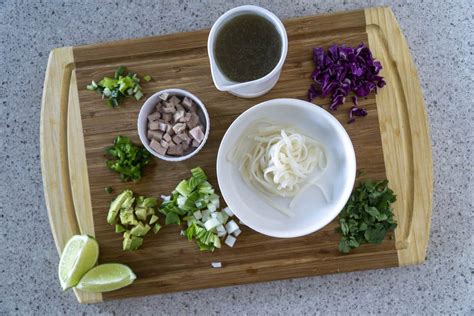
(195, 202)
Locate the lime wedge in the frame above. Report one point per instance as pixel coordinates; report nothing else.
(79, 256)
(106, 277)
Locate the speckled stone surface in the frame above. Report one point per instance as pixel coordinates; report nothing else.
(440, 37)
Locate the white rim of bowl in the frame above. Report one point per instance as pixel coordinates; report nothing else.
(349, 185)
(142, 129)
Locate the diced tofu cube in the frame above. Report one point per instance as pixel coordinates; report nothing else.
(195, 144)
(157, 147)
(230, 241)
(197, 134)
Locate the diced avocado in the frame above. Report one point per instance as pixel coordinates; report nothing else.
(119, 228)
(128, 202)
(117, 204)
(136, 242)
(150, 211)
(140, 212)
(127, 217)
(153, 219)
(140, 230)
(127, 241)
(156, 228)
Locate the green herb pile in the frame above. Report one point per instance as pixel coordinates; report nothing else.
(127, 159)
(367, 216)
(119, 87)
(134, 217)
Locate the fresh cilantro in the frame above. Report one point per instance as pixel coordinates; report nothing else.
(367, 216)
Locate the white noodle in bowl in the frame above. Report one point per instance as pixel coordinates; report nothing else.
(279, 160)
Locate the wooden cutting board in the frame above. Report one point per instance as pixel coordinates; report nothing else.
(391, 142)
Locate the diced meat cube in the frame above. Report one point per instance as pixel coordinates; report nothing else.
(154, 125)
(175, 100)
(179, 107)
(187, 117)
(179, 127)
(178, 115)
(170, 130)
(184, 137)
(197, 133)
(157, 147)
(169, 109)
(193, 121)
(154, 135)
(175, 151)
(162, 126)
(164, 143)
(164, 96)
(159, 108)
(177, 139)
(167, 138)
(154, 116)
(167, 117)
(185, 146)
(195, 143)
(187, 102)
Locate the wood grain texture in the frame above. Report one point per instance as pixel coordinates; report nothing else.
(167, 262)
(403, 118)
(54, 158)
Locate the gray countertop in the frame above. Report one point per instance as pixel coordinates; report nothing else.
(440, 37)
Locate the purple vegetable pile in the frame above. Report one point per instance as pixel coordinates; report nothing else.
(341, 70)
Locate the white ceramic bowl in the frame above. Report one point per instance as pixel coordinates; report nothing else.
(147, 108)
(254, 88)
(312, 211)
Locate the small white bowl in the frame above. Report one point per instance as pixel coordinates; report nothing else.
(254, 88)
(149, 106)
(312, 212)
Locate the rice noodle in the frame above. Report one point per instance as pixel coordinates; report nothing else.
(278, 160)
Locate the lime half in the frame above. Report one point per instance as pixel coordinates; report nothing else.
(106, 277)
(79, 255)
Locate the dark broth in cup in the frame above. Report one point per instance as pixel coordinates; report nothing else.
(247, 48)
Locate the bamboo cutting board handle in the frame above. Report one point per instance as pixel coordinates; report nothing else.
(405, 135)
(54, 157)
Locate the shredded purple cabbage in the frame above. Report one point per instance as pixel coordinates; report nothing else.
(341, 70)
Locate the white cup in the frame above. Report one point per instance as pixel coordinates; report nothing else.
(254, 88)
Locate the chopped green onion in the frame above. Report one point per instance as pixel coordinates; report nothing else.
(147, 78)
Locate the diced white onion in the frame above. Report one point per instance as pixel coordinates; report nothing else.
(197, 215)
(237, 233)
(216, 264)
(211, 224)
(166, 197)
(228, 211)
(211, 207)
(231, 227)
(230, 241)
